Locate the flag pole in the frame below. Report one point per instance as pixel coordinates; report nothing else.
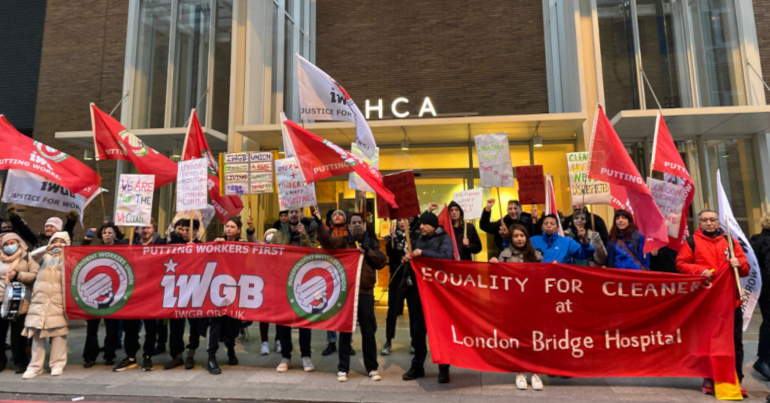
(499, 203)
(408, 239)
(101, 194)
(731, 247)
(131, 239)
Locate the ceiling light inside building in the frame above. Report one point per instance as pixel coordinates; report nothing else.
(537, 141)
(280, 149)
(88, 155)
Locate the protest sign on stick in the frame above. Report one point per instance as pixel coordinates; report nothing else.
(583, 189)
(191, 185)
(471, 203)
(531, 184)
(404, 190)
(134, 207)
(292, 192)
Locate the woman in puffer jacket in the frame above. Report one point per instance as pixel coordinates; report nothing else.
(45, 318)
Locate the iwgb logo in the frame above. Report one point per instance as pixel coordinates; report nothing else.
(136, 145)
(50, 152)
(317, 287)
(102, 283)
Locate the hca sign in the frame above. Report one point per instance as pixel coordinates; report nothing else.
(398, 110)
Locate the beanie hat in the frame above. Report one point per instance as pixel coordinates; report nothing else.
(269, 234)
(56, 222)
(429, 219)
(340, 212)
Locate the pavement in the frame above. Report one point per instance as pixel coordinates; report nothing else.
(255, 379)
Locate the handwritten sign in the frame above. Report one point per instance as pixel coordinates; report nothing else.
(248, 173)
(292, 192)
(192, 185)
(354, 181)
(134, 206)
(531, 184)
(494, 156)
(583, 189)
(403, 188)
(670, 199)
(471, 203)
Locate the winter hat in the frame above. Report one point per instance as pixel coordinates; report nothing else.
(56, 222)
(12, 235)
(340, 212)
(60, 235)
(429, 219)
(269, 234)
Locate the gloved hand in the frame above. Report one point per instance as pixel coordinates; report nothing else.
(73, 215)
(12, 211)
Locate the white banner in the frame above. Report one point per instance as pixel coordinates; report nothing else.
(29, 189)
(354, 181)
(494, 155)
(322, 98)
(670, 199)
(134, 208)
(292, 194)
(752, 285)
(596, 192)
(471, 203)
(192, 185)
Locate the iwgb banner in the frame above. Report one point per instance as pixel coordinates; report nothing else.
(285, 285)
(578, 322)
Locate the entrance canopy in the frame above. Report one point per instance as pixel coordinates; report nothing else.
(162, 140)
(688, 123)
(389, 133)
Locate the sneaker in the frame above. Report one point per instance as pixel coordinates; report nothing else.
(127, 363)
(31, 374)
(307, 365)
(57, 371)
(744, 393)
(413, 373)
(521, 381)
(708, 386)
(284, 365)
(176, 362)
(342, 376)
(330, 349)
(375, 376)
(537, 384)
(386, 348)
(147, 363)
(277, 347)
(265, 350)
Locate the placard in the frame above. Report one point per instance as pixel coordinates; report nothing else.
(471, 202)
(403, 188)
(354, 181)
(494, 157)
(192, 184)
(596, 192)
(247, 173)
(292, 192)
(670, 199)
(531, 184)
(134, 204)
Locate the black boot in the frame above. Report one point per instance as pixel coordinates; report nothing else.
(212, 366)
(762, 368)
(189, 363)
(231, 358)
(413, 373)
(443, 374)
(331, 348)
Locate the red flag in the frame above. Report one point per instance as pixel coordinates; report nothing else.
(550, 201)
(112, 141)
(666, 159)
(609, 162)
(196, 146)
(18, 151)
(446, 222)
(320, 159)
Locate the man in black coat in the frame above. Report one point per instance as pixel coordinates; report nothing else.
(468, 245)
(515, 215)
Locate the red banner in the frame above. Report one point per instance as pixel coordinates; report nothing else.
(267, 283)
(531, 184)
(577, 321)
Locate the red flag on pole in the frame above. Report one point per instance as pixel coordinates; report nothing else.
(18, 151)
(320, 159)
(196, 146)
(550, 201)
(113, 141)
(666, 159)
(609, 162)
(446, 222)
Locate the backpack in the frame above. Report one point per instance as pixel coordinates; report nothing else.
(691, 242)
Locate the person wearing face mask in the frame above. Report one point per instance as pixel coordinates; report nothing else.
(16, 265)
(52, 225)
(109, 235)
(625, 249)
(707, 254)
(469, 245)
(559, 249)
(374, 260)
(579, 231)
(45, 317)
(515, 215)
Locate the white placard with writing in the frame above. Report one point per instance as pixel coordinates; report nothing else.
(494, 155)
(670, 199)
(292, 194)
(355, 182)
(583, 189)
(471, 203)
(134, 207)
(192, 185)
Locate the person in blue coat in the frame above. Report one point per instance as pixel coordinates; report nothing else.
(625, 249)
(556, 248)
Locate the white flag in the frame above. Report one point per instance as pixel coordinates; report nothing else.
(752, 284)
(287, 147)
(322, 98)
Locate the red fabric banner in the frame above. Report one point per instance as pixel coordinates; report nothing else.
(196, 146)
(18, 151)
(577, 321)
(113, 141)
(445, 221)
(531, 184)
(321, 159)
(610, 162)
(285, 285)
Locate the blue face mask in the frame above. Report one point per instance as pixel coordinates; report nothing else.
(10, 250)
(56, 250)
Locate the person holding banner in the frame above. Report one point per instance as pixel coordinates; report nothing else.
(515, 215)
(434, 243)
(373, 260)
(52, 226)
(708, 253)
(761, 245)
(625, 249)
(580, 232)
(558, 249)
(338, 228)
(109, 234)
(295, 233)
(465, 234)
(45, 317)
(395, 248)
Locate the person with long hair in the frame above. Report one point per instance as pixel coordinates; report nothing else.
(625, 249)
(580, 230)
(519, 249)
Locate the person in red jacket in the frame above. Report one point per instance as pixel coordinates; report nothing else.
(707, 253)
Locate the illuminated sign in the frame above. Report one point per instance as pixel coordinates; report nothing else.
(398, 108)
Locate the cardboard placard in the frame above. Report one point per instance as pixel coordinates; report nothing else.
(292, 192)
(403, 188)
(248, 173)
(494, 155)
(192, 185)
(670, 199)
(134, 204)
(596, 192)
(531, 184)
(471, 202)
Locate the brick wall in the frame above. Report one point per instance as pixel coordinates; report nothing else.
(483, 57)
(81, 62)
